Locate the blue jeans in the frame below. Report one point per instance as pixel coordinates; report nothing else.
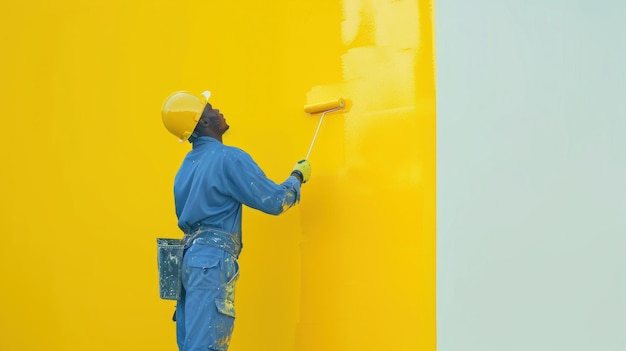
(205, 312)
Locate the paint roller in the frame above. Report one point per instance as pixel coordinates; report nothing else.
(324, 107)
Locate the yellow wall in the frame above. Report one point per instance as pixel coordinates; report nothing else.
(88, 169)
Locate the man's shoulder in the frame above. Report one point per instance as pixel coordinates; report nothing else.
(234, 151)
(233, 154)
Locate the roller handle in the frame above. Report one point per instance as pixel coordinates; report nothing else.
(324, 107)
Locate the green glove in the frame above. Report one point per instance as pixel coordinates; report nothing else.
(303, 170)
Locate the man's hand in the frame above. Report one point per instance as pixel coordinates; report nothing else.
(302, 170)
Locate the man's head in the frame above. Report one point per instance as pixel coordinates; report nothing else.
(189, 116)
(212, 123)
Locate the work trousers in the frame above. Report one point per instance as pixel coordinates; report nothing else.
(205, 312)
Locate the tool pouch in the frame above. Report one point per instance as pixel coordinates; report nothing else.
(170, 263)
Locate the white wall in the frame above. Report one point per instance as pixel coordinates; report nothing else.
(531, 164)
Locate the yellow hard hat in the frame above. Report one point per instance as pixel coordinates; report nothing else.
(181, 112)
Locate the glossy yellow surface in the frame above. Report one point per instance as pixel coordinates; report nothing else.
(88, 169)
(181, 112)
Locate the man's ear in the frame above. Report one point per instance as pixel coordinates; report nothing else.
(213, 122)
(204, 121)
(209, 119)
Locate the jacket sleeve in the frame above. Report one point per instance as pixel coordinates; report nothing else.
(248, 184)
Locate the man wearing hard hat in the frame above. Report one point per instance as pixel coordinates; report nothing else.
(212, 184)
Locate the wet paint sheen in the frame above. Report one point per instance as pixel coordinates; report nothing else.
(368, 251)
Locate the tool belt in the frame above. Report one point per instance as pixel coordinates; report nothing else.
(221, 239)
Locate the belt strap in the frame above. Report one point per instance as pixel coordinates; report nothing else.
(226, 241)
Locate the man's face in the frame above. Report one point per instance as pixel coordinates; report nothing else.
(218, 122)
(223, 126)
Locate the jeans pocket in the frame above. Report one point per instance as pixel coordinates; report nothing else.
(225, 307)
(232, 275)
(224, 325)
(202, 272)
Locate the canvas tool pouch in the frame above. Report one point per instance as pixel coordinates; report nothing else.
(170, 262)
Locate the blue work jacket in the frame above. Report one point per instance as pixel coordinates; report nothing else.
(214, 181)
